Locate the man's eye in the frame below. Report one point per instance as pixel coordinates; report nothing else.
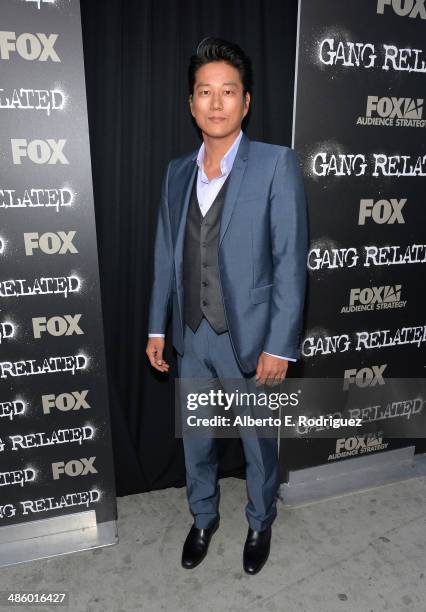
(205, 91)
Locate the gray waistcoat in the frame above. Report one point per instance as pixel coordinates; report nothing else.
(202, 294)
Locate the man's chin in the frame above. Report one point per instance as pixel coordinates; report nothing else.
(218, 131)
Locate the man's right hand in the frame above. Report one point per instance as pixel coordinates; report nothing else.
(154, 350)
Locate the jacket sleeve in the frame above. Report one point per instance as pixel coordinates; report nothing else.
(289, 238)
(159, 307)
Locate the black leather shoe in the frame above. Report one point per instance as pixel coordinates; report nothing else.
(196, 545)
(256, 550)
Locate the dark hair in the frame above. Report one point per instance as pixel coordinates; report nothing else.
(219, 50)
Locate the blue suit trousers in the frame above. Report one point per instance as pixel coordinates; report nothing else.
(208, 355)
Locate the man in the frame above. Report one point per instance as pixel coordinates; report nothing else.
(230, 261)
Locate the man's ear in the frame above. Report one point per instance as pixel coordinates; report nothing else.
(247, 99)
(190, 104)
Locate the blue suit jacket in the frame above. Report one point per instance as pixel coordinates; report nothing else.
(262, 251)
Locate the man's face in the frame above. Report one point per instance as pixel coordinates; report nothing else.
(217, 103)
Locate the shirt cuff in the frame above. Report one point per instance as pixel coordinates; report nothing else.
(279, 356)
(156, 335)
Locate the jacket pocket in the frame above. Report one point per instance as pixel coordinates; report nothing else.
(261, 294)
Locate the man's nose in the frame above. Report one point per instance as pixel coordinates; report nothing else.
(216, 102)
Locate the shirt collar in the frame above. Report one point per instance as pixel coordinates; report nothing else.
(226, 162)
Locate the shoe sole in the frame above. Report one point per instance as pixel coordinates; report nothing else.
(189, 567)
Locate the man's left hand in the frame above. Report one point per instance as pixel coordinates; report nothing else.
(270, 370)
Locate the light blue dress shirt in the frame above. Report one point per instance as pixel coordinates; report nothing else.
(207, 190)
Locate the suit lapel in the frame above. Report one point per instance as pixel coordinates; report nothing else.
(235, 179)
(186, 186)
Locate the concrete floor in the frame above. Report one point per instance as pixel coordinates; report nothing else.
(361, 552)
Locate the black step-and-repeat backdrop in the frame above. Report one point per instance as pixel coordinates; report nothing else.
(359, 128)
(55, 446)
